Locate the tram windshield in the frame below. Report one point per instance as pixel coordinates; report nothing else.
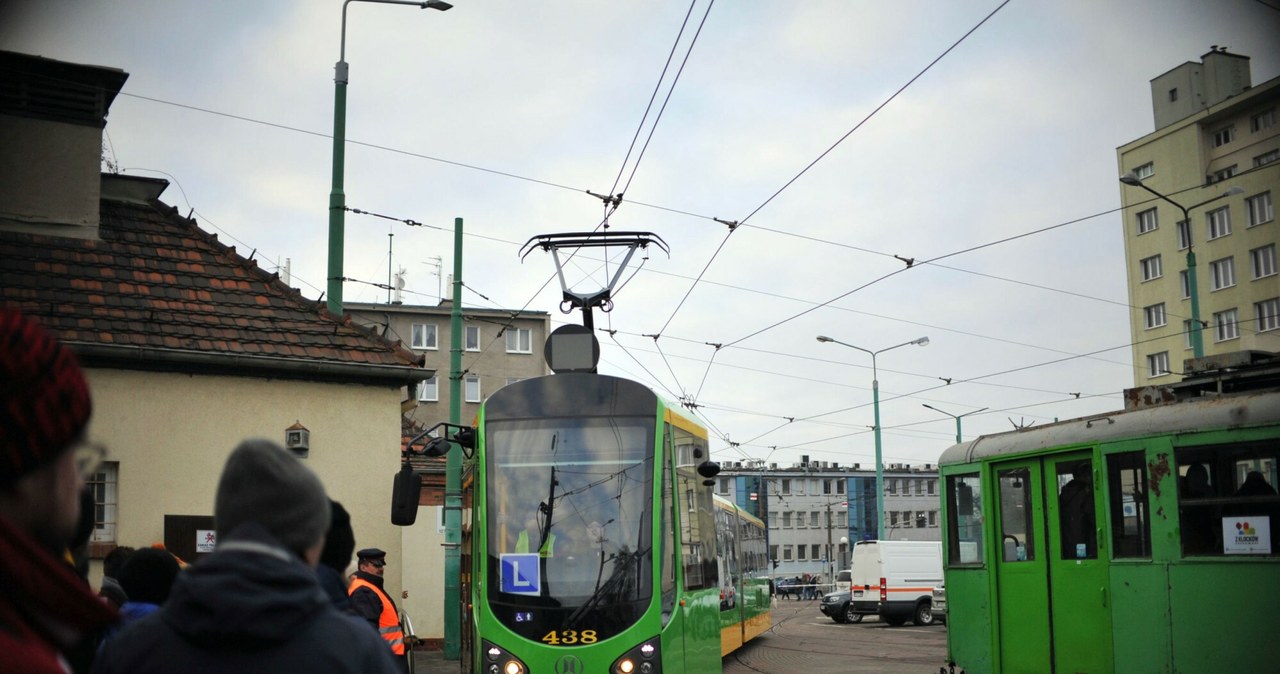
(569, 525)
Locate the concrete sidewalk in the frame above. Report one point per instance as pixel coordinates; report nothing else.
(433, 662)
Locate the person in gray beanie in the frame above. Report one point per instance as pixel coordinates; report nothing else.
(254, 605)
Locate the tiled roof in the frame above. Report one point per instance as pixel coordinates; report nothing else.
(156, 282)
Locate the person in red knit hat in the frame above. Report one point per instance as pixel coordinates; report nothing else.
(46, 610)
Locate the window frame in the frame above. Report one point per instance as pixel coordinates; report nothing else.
(1150, 268)
(429, 389)
(1262, 120)
(1217, 223)
(1226, 325)
(105, 486)
(1158, 365)
(1260, 208)
(468, 343)
(467, 382)
(430, 337)
(523, 338)
(1147, 221)
(1262, 261)
(1154, 316)
(1266, 314)
(1223, 272)
(1223, 135)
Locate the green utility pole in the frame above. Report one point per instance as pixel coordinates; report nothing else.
(453, 468)
(338, 198)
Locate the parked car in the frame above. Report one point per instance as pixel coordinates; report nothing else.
(837, 606)
(940, 601)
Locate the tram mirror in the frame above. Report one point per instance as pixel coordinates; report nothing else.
(436, 447)
(405, 492)
(708, 469)
(466, 437)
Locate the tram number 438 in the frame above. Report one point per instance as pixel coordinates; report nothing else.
(570, 637)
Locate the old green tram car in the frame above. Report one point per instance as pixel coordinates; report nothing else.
(1138, 541)
(595, 542)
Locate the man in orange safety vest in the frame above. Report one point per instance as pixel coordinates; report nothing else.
(371, 602)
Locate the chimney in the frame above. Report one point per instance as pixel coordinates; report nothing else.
(51, 118)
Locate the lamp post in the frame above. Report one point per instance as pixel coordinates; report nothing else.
(957, 417)
(875, 399)
(337, 199)
(1197, 338)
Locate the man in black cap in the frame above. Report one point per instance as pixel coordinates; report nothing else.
(370, 601)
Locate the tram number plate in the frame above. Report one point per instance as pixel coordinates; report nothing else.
(570, 637)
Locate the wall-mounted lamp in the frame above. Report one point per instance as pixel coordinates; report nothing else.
(297, 439)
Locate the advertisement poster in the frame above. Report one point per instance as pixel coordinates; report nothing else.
(1246, 535)
(206, 539)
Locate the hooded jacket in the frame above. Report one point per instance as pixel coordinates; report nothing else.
(251, 606)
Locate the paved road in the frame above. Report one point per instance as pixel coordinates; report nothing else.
(805, 641)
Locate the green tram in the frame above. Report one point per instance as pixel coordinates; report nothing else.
(595, 543)
(1138, 541)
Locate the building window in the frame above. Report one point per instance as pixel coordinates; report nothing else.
(1173, 94)
(429, 390)
(1264, 261)
(1267, 314)
(1259, 208)
(471, 384)
(1221, 175)
(1218, 222)
(786, 487)
(1184, 235)
(724, 485)
(423, 336)
(1158, 364)
(1224, 273)
(1266, 158)
(813, 519)
(786, 553)
(512, 380)
(1187, 326)
(1147, 221)
(105, 504)
(519, 340)
(1150, 267)
(933, 518)
(814, 553)
(472, 338)
(1224, 135)
(801, 556)
(1145, 171)
(1184, 279)
(893, 518)
(786, 519)
(1226, 324)
(1263, 120)
(1154, 315)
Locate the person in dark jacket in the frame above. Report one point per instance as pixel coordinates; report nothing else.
(48, 614)
(370, 601)
(254, 605)
(336, 556)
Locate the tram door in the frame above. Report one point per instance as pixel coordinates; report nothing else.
(1052, 582)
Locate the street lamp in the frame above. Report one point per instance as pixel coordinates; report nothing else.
(956, 417)
(875, 398)
(1197, 338)
(337, 199)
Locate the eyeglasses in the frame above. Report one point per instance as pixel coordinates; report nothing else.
(88, 457)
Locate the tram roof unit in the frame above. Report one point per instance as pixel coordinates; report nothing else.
(1236, 391)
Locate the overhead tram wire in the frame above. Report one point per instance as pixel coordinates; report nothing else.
(825, 153)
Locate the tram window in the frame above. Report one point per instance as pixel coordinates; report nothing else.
(1015, 515)
(964, 524)
(1227, 501)
(1126, 490)
(1077, 523)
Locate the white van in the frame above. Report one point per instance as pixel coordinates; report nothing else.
(895, 579)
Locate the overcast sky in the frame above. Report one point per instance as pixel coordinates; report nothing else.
(504, 113)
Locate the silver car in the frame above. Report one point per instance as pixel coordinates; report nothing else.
(940, 601)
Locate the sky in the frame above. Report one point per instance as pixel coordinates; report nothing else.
(976, 139)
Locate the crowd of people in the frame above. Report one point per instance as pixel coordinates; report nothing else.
(273, 596)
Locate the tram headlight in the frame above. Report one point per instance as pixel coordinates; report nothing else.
(499, 661)
(642, 659)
